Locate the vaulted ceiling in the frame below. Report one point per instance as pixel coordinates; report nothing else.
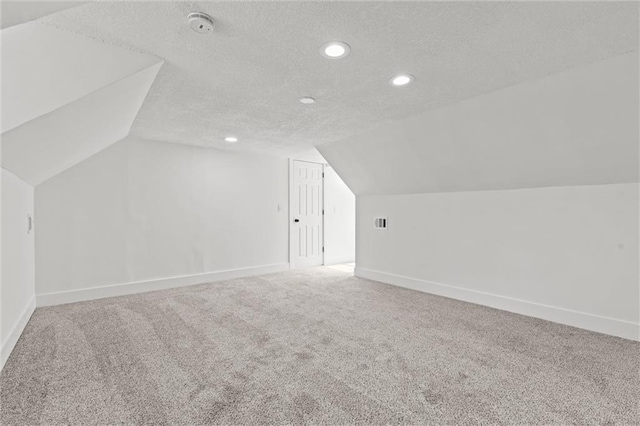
(92, 73)
(65, 97)
(246, 77)
(578, 127)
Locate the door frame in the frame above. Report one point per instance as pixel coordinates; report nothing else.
(290, 210)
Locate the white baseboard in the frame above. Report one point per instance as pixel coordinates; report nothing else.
(71, 296)
(11, 340)
(339, 260)
(600, 324)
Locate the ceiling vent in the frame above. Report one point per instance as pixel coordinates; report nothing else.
(200, 22)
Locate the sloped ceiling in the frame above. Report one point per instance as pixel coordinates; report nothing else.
(44, 68)
(65, 97)
(44, 147)
(246, 77)
(574, 128)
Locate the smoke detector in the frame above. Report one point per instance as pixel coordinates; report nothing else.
(200, 22)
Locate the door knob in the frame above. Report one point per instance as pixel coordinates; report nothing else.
(296, 220)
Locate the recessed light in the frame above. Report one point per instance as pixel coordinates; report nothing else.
(401, 80)
(231, 139)
(335, 50)
(307, 100)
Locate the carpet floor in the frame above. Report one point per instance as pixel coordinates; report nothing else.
(315, 346)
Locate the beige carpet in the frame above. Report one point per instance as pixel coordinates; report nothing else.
(316, 346)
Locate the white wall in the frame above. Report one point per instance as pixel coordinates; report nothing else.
(573, 249)
(339, 220)
(529, 238)
(143, 210)
(17, 292)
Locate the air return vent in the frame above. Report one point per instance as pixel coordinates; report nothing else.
(380, 223)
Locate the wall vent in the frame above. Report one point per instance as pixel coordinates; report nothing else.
(380, 223)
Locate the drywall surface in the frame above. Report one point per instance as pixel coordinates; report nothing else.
(573, 128)
(45, 68)
(263, 55)
(573, 248)
(17, 294)
(339, 220)
(50, 144)
(19, 12)
(142, 210)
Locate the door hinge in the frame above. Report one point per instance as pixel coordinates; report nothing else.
(323, 249)
(322, 174)
(322, 211)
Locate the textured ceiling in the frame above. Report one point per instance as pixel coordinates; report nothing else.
(18, 12)
(246, 77)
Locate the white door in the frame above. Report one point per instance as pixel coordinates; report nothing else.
(307, 204)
